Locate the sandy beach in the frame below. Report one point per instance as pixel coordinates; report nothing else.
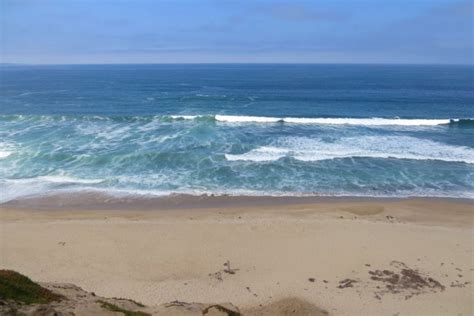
(345, 256)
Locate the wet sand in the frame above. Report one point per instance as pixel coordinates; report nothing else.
(347, 256)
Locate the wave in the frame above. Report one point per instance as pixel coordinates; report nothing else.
(108, 195)
(240, 119)
(69, 180)
(334, 121)
(325, 121)
(55, 180)
(25, 187)
(397, 147)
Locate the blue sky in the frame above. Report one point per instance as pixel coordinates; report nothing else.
(216, 31)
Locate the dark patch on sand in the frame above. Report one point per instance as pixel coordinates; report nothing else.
(227, 269)
(404, 280)
(459, 284)
(251, 292)
(346, 283)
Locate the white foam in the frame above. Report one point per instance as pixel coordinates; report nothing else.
(184, 117)
(68, 180)
(25, 187)
(265, 153)
(368, 121)
(5, 154)
(5, 150)
(54, 180)
(246, 119)
(321, 121)
(108, 132)
(28, 192)
(398, 147)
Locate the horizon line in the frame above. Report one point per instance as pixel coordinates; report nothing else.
(236, 63)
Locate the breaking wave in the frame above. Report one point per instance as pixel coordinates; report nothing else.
(374, 121)
(397, 147)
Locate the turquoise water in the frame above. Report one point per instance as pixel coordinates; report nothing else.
(237, 129)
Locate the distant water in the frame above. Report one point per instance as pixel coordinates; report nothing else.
(237, 129)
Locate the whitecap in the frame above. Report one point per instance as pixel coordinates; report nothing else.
(397, 147)
(184, 117)
(5, 154)
(368, 121)
(374, 121)
(246, 119)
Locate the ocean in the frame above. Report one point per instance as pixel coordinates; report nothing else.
(285, 130)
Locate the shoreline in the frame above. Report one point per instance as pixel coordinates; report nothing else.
(332, 253)
(86, 200)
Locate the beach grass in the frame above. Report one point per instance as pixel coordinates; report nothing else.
(19, 288)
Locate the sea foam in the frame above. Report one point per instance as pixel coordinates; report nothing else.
(322, 121)
(5, 150)
(398, 147)
(5, 154)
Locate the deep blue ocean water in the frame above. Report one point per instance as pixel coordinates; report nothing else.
(359, 130)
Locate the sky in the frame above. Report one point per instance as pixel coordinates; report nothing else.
(244, 31)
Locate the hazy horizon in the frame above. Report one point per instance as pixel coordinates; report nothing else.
(56, 32)
(233, 63)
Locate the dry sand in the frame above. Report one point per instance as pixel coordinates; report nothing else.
(345, 256)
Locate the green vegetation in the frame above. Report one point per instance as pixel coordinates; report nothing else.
(19, 288)
(115, 308)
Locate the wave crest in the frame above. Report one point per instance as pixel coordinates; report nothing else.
(242, 119)
(325, 121)
(397, 147)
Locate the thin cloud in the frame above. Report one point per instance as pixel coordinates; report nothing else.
(296, 12)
